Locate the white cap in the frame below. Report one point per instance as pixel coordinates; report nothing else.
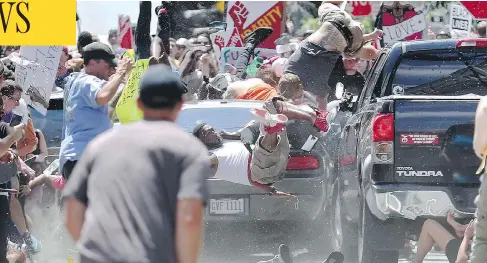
(182, 42)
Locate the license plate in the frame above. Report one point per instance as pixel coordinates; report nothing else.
(227, 206)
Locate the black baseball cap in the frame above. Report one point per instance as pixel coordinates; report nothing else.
(160, 87)
(98, 50)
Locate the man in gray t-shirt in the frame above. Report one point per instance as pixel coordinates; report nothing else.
(138, 192)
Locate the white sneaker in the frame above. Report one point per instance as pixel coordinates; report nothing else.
(267, 118)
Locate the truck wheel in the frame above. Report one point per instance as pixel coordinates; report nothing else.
(343, 234)
(367, 254)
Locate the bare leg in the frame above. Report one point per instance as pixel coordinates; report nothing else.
(294, 112)
(29, 223)
(431, 233)
(17, 215)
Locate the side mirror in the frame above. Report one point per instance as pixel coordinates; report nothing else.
(339, 90)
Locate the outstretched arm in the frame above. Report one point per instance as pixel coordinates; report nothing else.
(160, 43)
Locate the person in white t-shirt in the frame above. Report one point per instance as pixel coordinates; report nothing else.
(264, 164)
(230, 160)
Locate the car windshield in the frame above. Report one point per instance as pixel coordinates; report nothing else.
(230, 119)
(441, 73)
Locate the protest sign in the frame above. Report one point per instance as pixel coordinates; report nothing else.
(125, 32)
(35, 72)
(244, 17)
(460, 20)
(127, 110)
(401, 22)
(361, 8)
(229, 55)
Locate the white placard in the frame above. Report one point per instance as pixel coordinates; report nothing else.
(460, 21)
(404, 29)
(229, 55)
(36, 72)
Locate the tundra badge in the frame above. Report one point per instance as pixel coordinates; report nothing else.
(409, 172)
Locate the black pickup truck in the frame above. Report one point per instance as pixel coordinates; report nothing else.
(405, 150)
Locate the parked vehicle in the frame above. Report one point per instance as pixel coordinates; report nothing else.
(306, 175)
(405, 151)
(51, 124)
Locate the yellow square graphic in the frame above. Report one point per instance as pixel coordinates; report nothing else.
(38, 22)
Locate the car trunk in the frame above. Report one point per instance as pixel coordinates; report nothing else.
(433, 141)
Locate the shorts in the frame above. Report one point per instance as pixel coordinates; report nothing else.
(269, 167)
(452, 248)
(68, 169)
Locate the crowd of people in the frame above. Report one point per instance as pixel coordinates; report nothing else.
(150, 192)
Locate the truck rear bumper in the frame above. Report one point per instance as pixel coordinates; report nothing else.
(412, 201)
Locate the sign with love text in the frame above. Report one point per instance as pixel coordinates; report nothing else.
(229, 55)
(401, 22)
(243, 17)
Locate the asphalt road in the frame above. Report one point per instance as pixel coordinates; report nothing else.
(223, 243)
(230, 245)
(241, 245)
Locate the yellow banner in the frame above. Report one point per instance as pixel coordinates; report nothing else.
(220, 6)
(38, 22)
(127, 110)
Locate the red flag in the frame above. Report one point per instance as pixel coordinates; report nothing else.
(125, 30)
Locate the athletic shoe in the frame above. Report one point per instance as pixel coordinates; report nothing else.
(258, 35)
(285, 254)
(267, 118)
(334, 257)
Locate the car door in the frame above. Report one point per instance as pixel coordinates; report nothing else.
(350, 140)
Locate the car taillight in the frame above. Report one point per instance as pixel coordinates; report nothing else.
(471, 43)
(383, 138)
(383, 128)
(302, 163)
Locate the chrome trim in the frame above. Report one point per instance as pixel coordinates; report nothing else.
(374, 153)
(413, 204)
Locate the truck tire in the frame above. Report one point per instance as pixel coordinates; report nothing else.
(343, 234)
(367, 254)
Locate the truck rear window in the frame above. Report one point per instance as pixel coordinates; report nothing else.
(448, 72)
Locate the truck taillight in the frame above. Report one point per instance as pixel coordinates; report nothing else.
(383, 138)
(302, 163)
(383, 128)
(465, 43)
